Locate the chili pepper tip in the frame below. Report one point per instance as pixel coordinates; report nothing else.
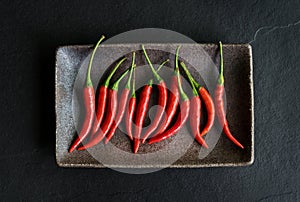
(71, 149)
(205, 145)
(81, 148)
(239, 145)
(136, 145)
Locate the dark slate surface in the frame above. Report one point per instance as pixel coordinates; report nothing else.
(29, 33)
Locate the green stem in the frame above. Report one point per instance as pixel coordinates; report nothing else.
(89, 82)
(150, 82)
(197, 85)
(131, 68)
(116, 84)
(176, 59)
(106, 84)
(176, 71)
(182, 93)
(190, 78)
(157, 77)
(161, 65)
(221, 76)
(133, 84)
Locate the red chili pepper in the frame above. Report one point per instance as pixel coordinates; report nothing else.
(210, 109)
(162, 100)
(219, 102)
(141, 112)
(181, 118)
(122, 104)
(102, 98)
(209, 105)
(131, 109)
(195, 113)
(172, 104)
(130, 115)
(110, 114)
(89, 104)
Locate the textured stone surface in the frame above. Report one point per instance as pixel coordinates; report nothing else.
(31, 31)
(238, 84)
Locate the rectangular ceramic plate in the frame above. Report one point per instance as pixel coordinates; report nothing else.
(240, 112)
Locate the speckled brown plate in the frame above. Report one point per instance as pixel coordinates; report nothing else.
(239, 96)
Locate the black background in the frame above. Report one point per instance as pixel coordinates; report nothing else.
(30, 32)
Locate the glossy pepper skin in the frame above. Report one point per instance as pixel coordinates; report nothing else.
(162, 100)
(121, 111)
(219, 92)
(101, 104)
(209, 105)
(219, 104)
(89, 104)
(122, 104)
(130, 116)
(141, 112)
(111, 110)
(180, 121)
(195, 114)
(102, 99)
(183, 115)
(210, 108)
(172, 105)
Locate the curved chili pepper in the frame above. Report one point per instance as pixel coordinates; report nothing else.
(195, 114)
(219, 102)
(89, 104)
(131, 109)
(102, 98)
(209, 105)
(110, 115)
(132, 104)
(141, 112)
(172, 104)
(210, 109)
(122, 104)
(181, 118)
(162, 99)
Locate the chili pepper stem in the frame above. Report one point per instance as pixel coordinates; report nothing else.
(116, 84)
(182, 93)
(106, 84)
(88, 75)
(131, 70)
(150, 82)
(161, 65)
(189, 77)
(157, 77)
(221, 76)
(133, 84)
(197, 85)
